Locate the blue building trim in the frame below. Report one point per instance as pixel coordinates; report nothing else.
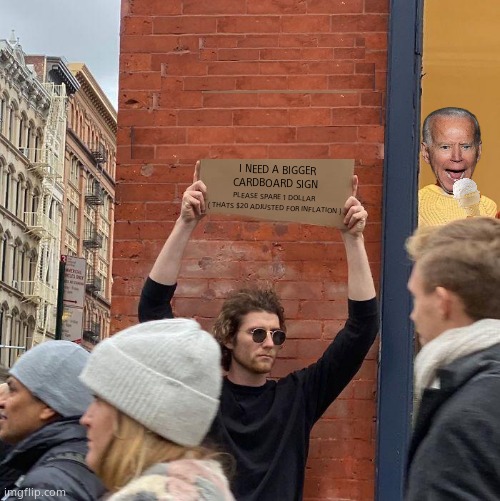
(395, 381)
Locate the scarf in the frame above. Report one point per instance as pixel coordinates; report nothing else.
(447, 347)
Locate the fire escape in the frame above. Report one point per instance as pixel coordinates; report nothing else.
(93, 241)
(47, 162)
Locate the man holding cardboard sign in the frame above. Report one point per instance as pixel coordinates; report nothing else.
(264, 424)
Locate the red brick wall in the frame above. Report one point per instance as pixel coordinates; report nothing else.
(256, 79)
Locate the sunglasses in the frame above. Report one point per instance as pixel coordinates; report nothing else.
(259, 335)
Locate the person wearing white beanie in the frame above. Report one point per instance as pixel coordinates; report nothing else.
(156, 388)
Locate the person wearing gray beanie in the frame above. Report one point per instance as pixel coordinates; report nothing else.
(39, 417)
(50, 372)
(156, 388)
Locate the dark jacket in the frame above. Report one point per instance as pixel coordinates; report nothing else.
(455, 448)
(51, 459)
(4, 450)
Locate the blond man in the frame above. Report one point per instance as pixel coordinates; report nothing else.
(455, 283)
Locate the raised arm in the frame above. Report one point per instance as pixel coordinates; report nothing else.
(167, 265)
(158, 289)
(360, 285)
(325, 380)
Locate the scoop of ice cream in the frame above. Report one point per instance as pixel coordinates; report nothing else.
(465, 191)
(463, 187)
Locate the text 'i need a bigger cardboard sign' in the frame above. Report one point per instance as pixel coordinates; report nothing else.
(301, 191)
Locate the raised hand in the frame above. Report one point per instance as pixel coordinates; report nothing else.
(193, 200)
(355, 215)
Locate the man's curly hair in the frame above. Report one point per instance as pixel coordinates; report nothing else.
(235, 307)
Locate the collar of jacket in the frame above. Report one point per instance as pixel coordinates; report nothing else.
(27, 452)
(452, 377)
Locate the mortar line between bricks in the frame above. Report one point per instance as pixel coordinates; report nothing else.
(347, 91)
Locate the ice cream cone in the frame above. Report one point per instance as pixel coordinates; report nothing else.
(467, 196)
(470, 203)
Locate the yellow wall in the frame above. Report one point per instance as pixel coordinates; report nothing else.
(461, 63)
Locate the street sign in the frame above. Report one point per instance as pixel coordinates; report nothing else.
(73, 271)
(74, 281)
(72, 323)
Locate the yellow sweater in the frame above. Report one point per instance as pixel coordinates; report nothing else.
(437, 207)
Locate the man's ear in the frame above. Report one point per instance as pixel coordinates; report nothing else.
(424, 151)
(47, 413)
(479, 151)
(445, 302)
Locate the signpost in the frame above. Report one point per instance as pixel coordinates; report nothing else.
(73, 297)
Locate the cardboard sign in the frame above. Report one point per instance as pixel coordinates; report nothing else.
(301, 191)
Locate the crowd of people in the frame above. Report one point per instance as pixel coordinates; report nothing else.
(166, 411)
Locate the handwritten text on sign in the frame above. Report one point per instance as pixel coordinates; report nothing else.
(302, 191)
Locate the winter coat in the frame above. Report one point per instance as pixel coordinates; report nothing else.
(50, 464)
(455, 449)
(182, 480)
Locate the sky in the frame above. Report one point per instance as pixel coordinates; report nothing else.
(81, 31)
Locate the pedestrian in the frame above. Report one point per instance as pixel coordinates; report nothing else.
(156, 388)
(455, 448)
(39, 418)
(263, 423)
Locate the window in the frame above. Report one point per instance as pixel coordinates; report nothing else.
(3, 257)
(26, 197)
(103, 251)
(11, 122)
(19, 186)
(38, 142)
(2, 332)
(7, 189)
(53, 210)
(12, 353)
(15, 263)
(74, 171)
(102, 280)
(72, 218)
(30, 135)
(21, 139)
(35, 200)
(32, 265)
(7, 257)
(23, 253)
(112, 165)
(105, 208)
(3, 174)
(3, 112)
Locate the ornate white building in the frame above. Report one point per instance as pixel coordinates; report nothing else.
(57, 183)
(32, 143)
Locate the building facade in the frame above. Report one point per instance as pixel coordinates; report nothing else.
(90, 164)
(89, 190)
(57, 167)
(33, 124)
(266, 80)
